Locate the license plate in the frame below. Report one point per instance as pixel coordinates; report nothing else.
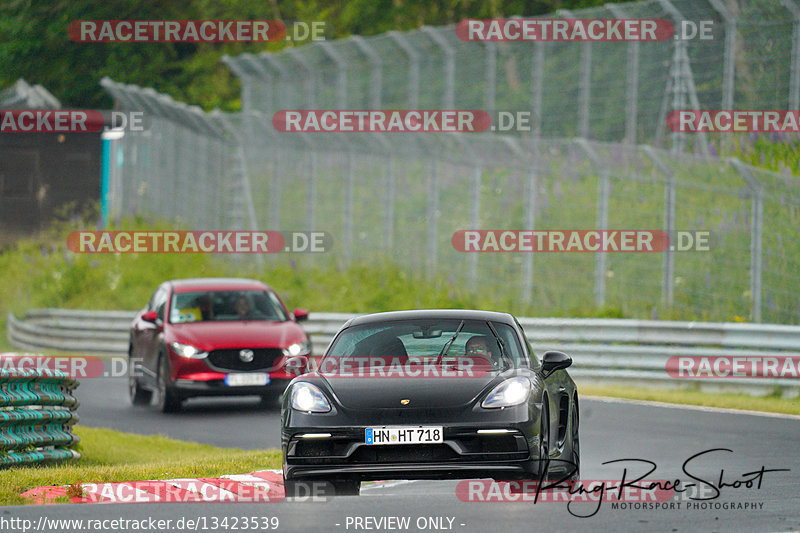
(404, 435)
(244, 380)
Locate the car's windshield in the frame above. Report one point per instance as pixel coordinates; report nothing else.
(427, 340)
(228, 305)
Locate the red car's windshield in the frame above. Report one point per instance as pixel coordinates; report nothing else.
(225, 306)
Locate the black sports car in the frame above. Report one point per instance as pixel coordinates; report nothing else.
(430, 394)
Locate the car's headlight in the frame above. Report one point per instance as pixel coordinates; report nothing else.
(307, 397)
(298, 348)
(511, 392)
(187, 350)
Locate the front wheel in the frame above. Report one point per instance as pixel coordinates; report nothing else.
(544, 443)
(168, 401)
(137, 394)
(576, 443)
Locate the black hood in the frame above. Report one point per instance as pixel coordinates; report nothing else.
(422, 393)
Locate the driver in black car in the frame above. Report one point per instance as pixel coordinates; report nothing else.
(479, 346)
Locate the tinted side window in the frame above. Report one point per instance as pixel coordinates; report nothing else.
(534, 362)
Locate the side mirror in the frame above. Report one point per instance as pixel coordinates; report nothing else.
(553, 361)
(296, 365)
(300, 315)
(150, 316)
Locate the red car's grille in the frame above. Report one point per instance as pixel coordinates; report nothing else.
(263, 359)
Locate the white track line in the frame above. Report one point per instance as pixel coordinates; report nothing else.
(692, 407)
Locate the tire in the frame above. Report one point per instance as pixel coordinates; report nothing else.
(168, 401)
(576, 442)
(544, 442)
(137, 394)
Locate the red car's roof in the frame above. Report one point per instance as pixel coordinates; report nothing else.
(216, 284)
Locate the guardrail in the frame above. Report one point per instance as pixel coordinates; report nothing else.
(37, 412)
(609, 350)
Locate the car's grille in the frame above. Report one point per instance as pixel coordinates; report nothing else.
(407, 453)
(493, 444)
(263, 359)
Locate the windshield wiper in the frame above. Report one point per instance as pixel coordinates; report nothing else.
(502, 345)
(448, 344)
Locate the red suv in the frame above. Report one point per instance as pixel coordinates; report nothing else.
(208, 337)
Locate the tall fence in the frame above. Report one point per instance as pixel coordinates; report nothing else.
(183, 165)
(37, 412)
(606, 91)
(599, 156)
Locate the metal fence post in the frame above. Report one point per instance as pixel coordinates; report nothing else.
(531, 199)
(603, 194)
(311, 207)
(537, 84)
(283, 75)
(275, 191)
(729, 60)
(375, 61)
(448, 97)
(668, 272)
(475, 218)
(433, 215)
(309, 80)
(388, 212)
(267, 105)
(491, 75)
(526, 162)
(585, 84)
(413, 67)
(631, 81)
(756, 233)
(794, 79)
(348, 208)
(341, 72)
(682, 83)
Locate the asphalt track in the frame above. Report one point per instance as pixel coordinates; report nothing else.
(610, 430)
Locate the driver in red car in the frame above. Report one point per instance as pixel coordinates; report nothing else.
(243, 312)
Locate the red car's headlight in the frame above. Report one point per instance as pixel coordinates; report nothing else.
(187, 350)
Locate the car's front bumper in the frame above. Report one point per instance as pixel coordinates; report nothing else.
(500, 451)
(217, 387)
(501, 443)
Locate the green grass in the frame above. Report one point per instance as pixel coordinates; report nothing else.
(109, 456)
(41, 272)
(768, 404)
